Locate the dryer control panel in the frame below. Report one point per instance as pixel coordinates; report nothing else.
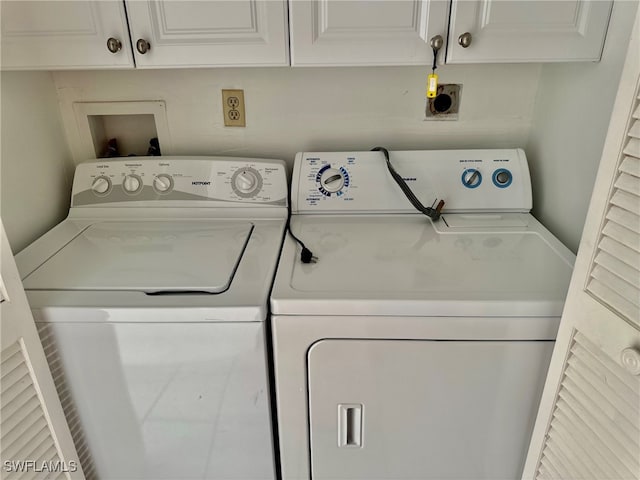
(207, 181)
(467, 180)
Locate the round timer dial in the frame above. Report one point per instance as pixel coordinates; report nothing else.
(332, 180)
(246, 182)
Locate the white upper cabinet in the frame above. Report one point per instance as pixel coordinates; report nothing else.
(49, 35)
(218, 33)
(487, 31)
(365, 32)
(64, 35)
(52, 35)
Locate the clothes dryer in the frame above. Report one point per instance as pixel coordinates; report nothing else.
(413, 348)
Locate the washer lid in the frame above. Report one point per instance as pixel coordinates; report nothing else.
(148, 256)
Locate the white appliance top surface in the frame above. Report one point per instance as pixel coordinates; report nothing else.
(147, 256)
(497, 264)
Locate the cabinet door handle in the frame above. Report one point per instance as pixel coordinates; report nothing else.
(114, 45)
(143, 46)
(630, 358)
(436, 42)
(464, 40)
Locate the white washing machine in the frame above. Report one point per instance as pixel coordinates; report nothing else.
(413, 349)
(151, 300)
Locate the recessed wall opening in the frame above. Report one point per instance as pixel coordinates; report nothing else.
(131, 132)
(121, 129)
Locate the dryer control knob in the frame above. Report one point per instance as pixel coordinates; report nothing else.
(332, 180)
(163, 183)
(101, 185)
(132, 183)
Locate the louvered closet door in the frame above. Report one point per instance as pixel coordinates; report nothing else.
(34, 438)
(588, 425)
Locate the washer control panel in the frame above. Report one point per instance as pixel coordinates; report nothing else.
(467, 180)
(211, 181)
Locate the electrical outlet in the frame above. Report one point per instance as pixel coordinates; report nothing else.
(446, 104)
(233, 108)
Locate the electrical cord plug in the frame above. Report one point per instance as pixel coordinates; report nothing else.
(307, 256)
(434, 213)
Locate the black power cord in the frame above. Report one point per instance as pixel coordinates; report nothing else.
(432, 212)
(306, 256)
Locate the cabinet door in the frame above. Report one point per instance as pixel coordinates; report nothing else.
(365, 32)
(64, 35)
(527, 31)
(588, 425)
(209, 34)
(407, 409)
(34, 435)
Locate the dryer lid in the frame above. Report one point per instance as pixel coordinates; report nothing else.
(147, 256)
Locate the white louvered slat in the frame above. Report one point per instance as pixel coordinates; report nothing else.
(628, 219)
(620, 251)
(626, 272)
(593, 432)
(625, 385)
(618, 303)
(15, 390)
(13, 406)
(558, 465)
(615, 268)
(627, 201)
(10, 363)
(628, 183)
(632, 147)
(23, 437)
(18, 376)
(622, 235)
(631, 165)
(614, 406)
(25, 434)
(634, 131)
(550, 471)
(589, 442)
(616, 284)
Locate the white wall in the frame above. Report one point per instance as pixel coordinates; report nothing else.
(573, 108)
(35, 162)
(294, 109)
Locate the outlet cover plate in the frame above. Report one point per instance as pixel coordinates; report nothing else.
(233, 108)
(448, 94)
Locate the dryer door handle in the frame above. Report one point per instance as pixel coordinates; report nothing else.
(350, 425)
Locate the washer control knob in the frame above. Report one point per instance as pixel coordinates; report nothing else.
(246, 181)
(502, 178)
(332, 180)
(471, 178)
(132, 183)
(101, 185)
(163, 183)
